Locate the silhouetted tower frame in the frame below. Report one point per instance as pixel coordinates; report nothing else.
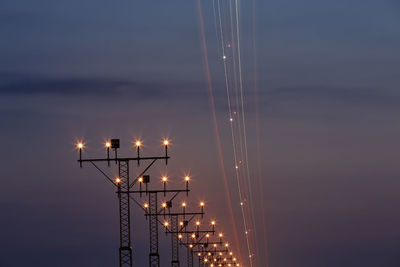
(123, 185)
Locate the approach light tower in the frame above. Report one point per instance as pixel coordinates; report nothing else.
(123, 185)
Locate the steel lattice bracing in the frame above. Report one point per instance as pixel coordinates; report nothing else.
(154, 257)
(125, 249)
(174, 242)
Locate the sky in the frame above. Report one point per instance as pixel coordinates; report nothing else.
(328, 76)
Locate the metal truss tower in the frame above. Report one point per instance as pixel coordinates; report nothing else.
(154, 256)
(125, 249)
(174, 241)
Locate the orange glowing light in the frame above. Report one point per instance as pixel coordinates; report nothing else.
(138, 143)
(166, 224)
(165, 142)
(146, 205)
(202, 204)
(107, 144)
(164, 179)
(140, 179)
(187, 178)
(183, 204)
(198, 223)
(212, 222)
(164, 205)
(117, 180)
(80, 145)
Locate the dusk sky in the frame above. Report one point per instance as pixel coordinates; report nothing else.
(329, 109)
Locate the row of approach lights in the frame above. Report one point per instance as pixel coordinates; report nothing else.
(209, 254)
(114, 144)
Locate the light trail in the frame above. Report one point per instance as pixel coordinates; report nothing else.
(211, 96)
(232, 132)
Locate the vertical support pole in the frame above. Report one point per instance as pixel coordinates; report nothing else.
(125, 249)
(174, 241)
(189, 257)
(154, 256)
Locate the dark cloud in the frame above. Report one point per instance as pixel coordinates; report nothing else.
(19, 84)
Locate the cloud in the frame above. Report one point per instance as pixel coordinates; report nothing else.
(24, 85)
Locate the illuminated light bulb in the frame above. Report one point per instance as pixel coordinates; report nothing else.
(207, 235)
(220, 253)
(164, 179)
(117, 180)
(226, 245)
(187, 178)
(234, 259)
(215, 245)
(205, 260)
(224, 259)
(183, 204)
(181, 223)
(107, 144)
(209, 253)
(224, 57)
(212, 222)
(80, 145)
(199, 254)
(231, 119)
(190, 245)
(241, 203)
(146, 205)
(221, 235)
(236, 167)
(138, 143)
(246, 232)
(165, 142)
(140, 179)
(197, 223)
(164, 204)
(180, 236)
(202, 204)
(166, 224)
(231, 253)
